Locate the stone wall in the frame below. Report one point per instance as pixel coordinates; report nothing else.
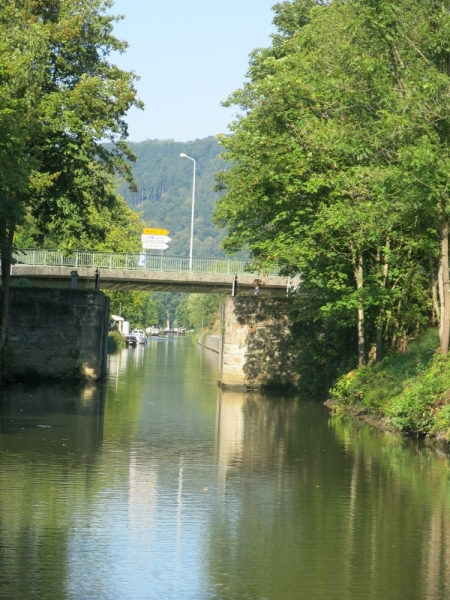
(54, 333)
(254, 351)
(212, 342)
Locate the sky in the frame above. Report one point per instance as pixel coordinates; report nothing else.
(190, 55)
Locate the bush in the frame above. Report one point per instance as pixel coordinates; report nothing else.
(423, 406)
(412, 389)
(116, 341)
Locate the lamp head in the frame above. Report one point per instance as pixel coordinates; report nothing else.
(183, 155)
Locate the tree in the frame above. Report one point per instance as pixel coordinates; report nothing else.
(339, 162)
(22, 53)
(80, 102)
(199, 311)
(116, 228)
(136, 307)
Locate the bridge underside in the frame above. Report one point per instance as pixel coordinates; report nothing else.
(151, 281)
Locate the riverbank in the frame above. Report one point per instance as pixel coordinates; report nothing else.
(408, 393)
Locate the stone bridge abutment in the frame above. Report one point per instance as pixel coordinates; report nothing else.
(254, 348)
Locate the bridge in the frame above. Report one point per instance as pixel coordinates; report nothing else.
(51, 268)
(254, 347)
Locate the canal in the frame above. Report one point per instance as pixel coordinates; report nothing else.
(156, 486)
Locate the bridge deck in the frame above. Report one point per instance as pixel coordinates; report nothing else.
(152, 273)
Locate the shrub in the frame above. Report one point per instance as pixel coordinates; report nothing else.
(423, 405)
(116, 341)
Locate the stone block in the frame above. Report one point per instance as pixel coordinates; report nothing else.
(233, 359)
(58, 333)
(233, 370)
(234, 349)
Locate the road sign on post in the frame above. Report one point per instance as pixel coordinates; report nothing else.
(154, 246)
(153, 238)
(142, 260)
(155, 231)
(157, 239)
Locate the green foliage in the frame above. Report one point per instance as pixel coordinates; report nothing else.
(135, 307)
(199, 311)
(116, 341)
(181, 313)
(323, 348)
(113, 229)
(167, 304)
(83, 101)
(340, 161)
(22, 56)
(423, 406)
(376, 384)
(410, 388)
(61, 98)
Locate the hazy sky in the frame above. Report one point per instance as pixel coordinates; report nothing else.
(190, 55)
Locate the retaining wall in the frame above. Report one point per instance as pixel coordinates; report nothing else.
(55, 333)
(212, 342)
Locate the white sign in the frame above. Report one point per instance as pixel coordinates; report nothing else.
(154, 246)
(159, 239)
(142, 260)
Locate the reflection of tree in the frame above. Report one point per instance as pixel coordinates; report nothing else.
(313, 512)
(422, 476)
(62, 487)
(38, 464)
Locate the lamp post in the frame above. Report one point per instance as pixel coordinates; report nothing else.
(183, 155)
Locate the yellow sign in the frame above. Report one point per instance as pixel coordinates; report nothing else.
(151, 231)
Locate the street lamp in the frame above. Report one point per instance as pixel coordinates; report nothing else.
(183, 155)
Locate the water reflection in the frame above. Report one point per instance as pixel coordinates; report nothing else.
(158, 486)
(321, 508)
(31, 415)
(50, 438)
(419, 480)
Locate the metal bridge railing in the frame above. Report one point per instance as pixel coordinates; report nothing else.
(137, 262)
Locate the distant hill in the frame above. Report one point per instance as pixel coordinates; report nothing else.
(164, 194)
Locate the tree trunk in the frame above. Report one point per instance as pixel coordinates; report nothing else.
(4, 299)
(445, 299)
(359, 276)
(384, 276)
(436, 312)
(441, 299)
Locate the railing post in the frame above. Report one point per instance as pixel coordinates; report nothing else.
(228, 271)
(76, 259)
(110, 261)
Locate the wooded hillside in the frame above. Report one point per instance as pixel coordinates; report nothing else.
(164, 194)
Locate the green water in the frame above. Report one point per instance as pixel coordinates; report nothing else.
(155, 486)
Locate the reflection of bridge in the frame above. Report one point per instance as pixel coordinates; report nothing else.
(143, 272)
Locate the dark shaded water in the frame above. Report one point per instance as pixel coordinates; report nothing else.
(157, 487)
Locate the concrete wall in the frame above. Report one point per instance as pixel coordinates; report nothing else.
(212, 342)
(254, 349)
(58, 333)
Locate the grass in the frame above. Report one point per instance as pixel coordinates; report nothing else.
(411, 389)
